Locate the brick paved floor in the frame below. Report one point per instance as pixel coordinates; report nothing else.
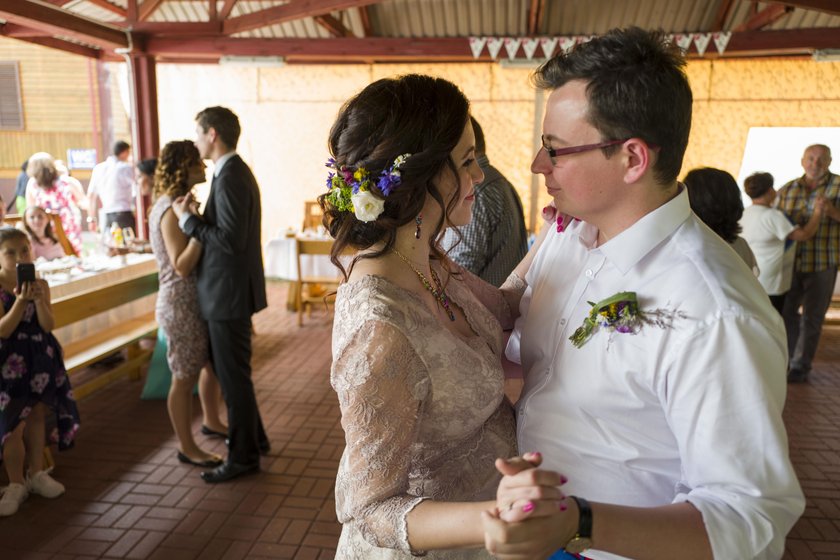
(128, 497)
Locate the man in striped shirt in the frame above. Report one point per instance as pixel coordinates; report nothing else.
(494, 242)
(815, 271)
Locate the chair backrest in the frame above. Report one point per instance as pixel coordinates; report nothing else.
(312, 215)
(58, 230)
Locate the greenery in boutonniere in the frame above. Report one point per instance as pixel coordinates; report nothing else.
(620, 313)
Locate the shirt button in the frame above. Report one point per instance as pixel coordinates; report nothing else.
(521, 413)
(562, 321)
(589, 273)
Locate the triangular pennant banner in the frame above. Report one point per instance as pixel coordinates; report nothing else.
(530, 47)
(721, 39)
(701, 41)
(566, 43)
(683, 40)
(548, 44)
(511, 46)
(494, 45)
(476, 45)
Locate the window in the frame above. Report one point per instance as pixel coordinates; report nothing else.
(11, 109)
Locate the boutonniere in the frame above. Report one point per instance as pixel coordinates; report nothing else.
(620, 313)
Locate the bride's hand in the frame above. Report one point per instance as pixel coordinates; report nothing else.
(526, 491)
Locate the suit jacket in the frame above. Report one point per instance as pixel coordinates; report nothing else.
(231, 281)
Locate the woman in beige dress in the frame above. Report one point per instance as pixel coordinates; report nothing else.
(417, 340)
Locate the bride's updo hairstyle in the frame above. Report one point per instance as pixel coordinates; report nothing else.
(412, 114)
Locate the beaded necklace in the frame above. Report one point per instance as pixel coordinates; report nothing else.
(436, 290)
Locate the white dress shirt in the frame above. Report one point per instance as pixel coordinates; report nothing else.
(686, 412)
(766, 230)
(113, 182)
(217, 168)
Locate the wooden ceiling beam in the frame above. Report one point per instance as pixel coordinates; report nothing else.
(65, 46)
(724, 8)
(333, 26)
(364, 15)
(226, 8)
(19, 31)
(147, 8)
(56, 21)
(536, 14)
(449, 49)
(289, 12)
(827, 6)
(765, 17)
(175, 27)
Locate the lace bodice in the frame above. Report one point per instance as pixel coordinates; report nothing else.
(423, 410)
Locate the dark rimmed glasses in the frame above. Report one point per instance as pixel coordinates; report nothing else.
(554, 153)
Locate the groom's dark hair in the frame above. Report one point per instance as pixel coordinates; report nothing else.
(223, 121)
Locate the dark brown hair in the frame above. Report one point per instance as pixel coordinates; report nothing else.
(757, 184)
(223, 121)
(636, 88)
(411, 114)
(716, 199)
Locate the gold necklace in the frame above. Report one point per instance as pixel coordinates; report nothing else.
(436, 290)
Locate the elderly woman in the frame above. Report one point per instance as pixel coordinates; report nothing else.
(716, 199)
(53, 192)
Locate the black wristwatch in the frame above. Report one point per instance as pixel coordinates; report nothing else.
(583, 538)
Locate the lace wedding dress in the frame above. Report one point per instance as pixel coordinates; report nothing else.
(423, 410)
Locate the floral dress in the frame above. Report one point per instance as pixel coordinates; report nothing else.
(32, 371)
(58, 199)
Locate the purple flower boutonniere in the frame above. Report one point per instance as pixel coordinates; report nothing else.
(620, 313)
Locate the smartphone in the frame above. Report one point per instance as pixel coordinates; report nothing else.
(25, 273)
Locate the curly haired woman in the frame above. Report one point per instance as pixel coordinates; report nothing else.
(179, 169)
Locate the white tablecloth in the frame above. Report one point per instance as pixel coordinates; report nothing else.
(281, 261)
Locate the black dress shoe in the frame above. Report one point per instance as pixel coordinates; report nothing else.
(209, 463)
(796, 375)
(213, 433)
(228, 471)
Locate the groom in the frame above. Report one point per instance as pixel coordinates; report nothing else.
(231, 284)
(662, 401)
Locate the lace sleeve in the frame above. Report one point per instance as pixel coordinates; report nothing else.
(381, 385)
(502, 302)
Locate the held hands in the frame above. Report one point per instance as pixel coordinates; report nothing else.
(822, 206)
(185, 205)
(532, 518)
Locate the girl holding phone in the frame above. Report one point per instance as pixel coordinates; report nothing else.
(33, 379)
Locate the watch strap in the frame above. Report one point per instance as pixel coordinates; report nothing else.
(584, 529)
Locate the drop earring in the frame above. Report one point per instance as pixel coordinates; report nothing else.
(419, 221)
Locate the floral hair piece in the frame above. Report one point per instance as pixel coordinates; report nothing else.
(350, 191)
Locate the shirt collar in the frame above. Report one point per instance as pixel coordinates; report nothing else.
(821, 184)
(221, 162)
(631, 245)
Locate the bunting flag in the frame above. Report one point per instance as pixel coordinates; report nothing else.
(530, 47)
(476, 45)
(548, 44)
(701, 41)
(494, 45)
(567, 43)
(721, 39)
(511, 46)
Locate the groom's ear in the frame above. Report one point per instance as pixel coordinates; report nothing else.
(211, 134)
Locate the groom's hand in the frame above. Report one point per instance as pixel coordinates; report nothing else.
(183, 205)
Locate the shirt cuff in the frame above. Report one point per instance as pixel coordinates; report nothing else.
(182, 221)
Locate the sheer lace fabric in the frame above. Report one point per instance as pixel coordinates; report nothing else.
(423, 410)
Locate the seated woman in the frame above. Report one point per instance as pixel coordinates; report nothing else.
(38, 225)
(716, 199)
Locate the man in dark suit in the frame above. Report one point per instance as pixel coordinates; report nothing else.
(231, 283)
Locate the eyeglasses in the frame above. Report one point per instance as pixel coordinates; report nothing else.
(554, 153)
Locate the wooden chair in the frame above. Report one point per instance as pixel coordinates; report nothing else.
(58, 230)
(312, 215)
(318, 287)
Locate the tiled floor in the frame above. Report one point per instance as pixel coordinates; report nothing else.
(128, 497)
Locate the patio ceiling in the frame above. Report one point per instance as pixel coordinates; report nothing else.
(329, 31)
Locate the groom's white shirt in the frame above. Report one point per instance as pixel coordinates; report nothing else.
(690, 411)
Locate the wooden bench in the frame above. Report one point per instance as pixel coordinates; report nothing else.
(82, 353)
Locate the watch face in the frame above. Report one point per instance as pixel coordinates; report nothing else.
(578, 545)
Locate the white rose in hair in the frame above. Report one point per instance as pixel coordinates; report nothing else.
(366, 206)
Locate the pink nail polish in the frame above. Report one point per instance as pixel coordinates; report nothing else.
(563, 479)
(529, 507)
(563, 506)
(537, 454)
